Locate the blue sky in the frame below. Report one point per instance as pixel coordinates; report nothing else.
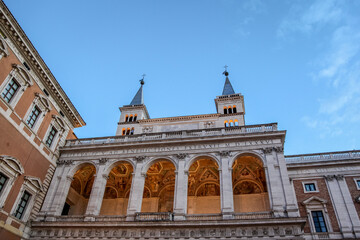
(296, 62)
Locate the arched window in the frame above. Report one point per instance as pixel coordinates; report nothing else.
(128, 131)
(236, 123)
(135, 117)
(126, 118)
(123, 131)
(234, 109)
(225, 110)
(226, 124)
(229, 110)
(131, 118)
(231, 123)
(132, 131)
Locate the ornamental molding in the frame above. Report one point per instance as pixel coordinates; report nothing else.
(329, 177)
(225, 153)
(140, 158)
(64, 162)
(181, 118)
(181, 156)
(103, 160)
(17, 36)
(271, 149)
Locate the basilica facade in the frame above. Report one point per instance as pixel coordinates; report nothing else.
(208, 176)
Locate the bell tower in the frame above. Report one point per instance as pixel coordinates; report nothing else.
(230, 104)
(130, 114)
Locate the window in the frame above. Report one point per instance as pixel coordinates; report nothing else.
(132, 131)
(123, 131)
(310, 187)
(319, 221)
(10, 90)
(131, 118)
(357, 183)
(225, 110)
(234, 109)
(22, 205)
(33, 116)
(126, 118)
(135, 117)
(3, 181)
(51, 136)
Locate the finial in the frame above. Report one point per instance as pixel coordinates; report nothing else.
(226, 72)
(142, 82)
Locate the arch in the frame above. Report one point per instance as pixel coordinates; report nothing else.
(230, 110)
(132, 131)
(226, 124)
(13, 163)
(131, 118)
(247, 153)
(123, 131)
(198, 157)
(201, 185)
(151, 161)
(135, 117)
(116, 162)
(231, 123)
(236, 123)
(128, 131)
(249, 180)
(234, 109)
(78, 166)
(126, 118)
(225, 110)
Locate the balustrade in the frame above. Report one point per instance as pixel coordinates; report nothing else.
(323, 157)
(155, 216)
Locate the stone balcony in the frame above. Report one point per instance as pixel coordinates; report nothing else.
(247, 129)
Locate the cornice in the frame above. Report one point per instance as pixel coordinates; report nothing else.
(180, 118)
(18, 37)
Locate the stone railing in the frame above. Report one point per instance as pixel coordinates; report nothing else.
(315, 157)
(155, 216)
(248, 129)
(254, 215)
(110, 218)
(202, 217)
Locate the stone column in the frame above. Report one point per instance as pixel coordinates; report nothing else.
(97, 193)
(137, 190)
(343, 205)
(181, 189)
(274, 183)
(290, 199)
(61, 195)
(226, 191)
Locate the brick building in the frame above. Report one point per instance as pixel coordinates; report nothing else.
(206, 176)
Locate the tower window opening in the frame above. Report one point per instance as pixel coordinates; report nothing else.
(126, 118)
(231, 123)
(128, 131)
(226, 124)
(131, 118)
(236, 123)
(132, 131)
(135, 117)
(234, 109)
(229, 110)
(225, 110)
(123, 131)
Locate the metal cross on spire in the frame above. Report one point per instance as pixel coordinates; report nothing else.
(142, 82)
(226, 73)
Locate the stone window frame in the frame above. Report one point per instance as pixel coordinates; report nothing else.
(310, 182)
(23, 78)
(4, 52)
(356, 179)
(43, 104)
(11, 168)
(319, 206)
(59, 125)
(33, 186)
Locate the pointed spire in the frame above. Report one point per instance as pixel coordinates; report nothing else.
(228, 89)
(139, 97)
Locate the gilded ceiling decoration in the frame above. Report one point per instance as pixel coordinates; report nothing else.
(204, 178)
(83, 180)
(119, 182)
(248, 176)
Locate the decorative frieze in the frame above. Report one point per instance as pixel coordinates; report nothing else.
(181, 155)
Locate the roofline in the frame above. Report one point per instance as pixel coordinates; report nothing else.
(23, 43)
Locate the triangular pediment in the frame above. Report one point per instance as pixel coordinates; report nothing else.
(314, 200)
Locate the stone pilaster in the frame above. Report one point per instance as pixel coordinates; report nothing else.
(136, 192)
(97, 194)
(274, 183)
(291, 203)
(343, 205)
(226, 191)
(181, 189)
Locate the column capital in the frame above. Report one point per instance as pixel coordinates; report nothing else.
(140, 158)
(225, 153)
(181, 156)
